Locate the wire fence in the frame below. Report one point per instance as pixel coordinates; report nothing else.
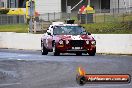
(11, 19)
(91, 18)
(113, 15)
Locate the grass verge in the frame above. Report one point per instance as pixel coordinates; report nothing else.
(95, 28)
(109, 28)
(18, 28)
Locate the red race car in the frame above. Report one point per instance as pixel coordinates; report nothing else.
(67, 38)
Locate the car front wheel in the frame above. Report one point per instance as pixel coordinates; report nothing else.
(92, 53)
(55, 51)
(78, 53)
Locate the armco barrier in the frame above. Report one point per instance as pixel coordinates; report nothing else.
(106, 43)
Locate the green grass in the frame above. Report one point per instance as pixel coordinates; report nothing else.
(109, 28)
(128, 17)
(108, 18)
(18, 28)
(109, 24)
(103, 18)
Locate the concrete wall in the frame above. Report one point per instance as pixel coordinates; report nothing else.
(20, 41)
(106, 43)
(48, 6)
(5, 3)
(114, 3)
(124, 6)
(114, 43)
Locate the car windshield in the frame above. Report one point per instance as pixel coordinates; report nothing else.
(69, 30)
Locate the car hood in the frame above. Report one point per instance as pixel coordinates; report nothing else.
(74, 37)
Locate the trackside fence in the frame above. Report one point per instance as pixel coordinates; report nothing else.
(11, 19)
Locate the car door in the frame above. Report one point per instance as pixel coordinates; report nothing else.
(44, 39)
(49, 39)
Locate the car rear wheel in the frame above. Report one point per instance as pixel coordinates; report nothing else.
(44, 51)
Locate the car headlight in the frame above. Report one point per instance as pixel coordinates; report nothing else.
(87, 42)
(93, 42)
(61, 42)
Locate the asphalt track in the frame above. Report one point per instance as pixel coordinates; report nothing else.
(29, 69)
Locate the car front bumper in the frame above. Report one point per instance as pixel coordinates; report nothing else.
(70, 49)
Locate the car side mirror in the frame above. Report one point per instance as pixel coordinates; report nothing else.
(48, 33)
(88, 33)
(83, 27)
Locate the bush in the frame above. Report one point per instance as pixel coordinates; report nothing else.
(4, 11)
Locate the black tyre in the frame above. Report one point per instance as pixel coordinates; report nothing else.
(92, 53)
(79, 54)
(55, 51)
(44, 51)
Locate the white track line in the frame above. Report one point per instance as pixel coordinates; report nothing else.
(9, 84)
(101, 86)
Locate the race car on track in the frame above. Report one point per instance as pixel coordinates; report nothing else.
(67, 38)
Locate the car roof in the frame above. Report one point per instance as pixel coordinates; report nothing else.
(57, 23)
(62, 24)
(66, 25)
(69, 25)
